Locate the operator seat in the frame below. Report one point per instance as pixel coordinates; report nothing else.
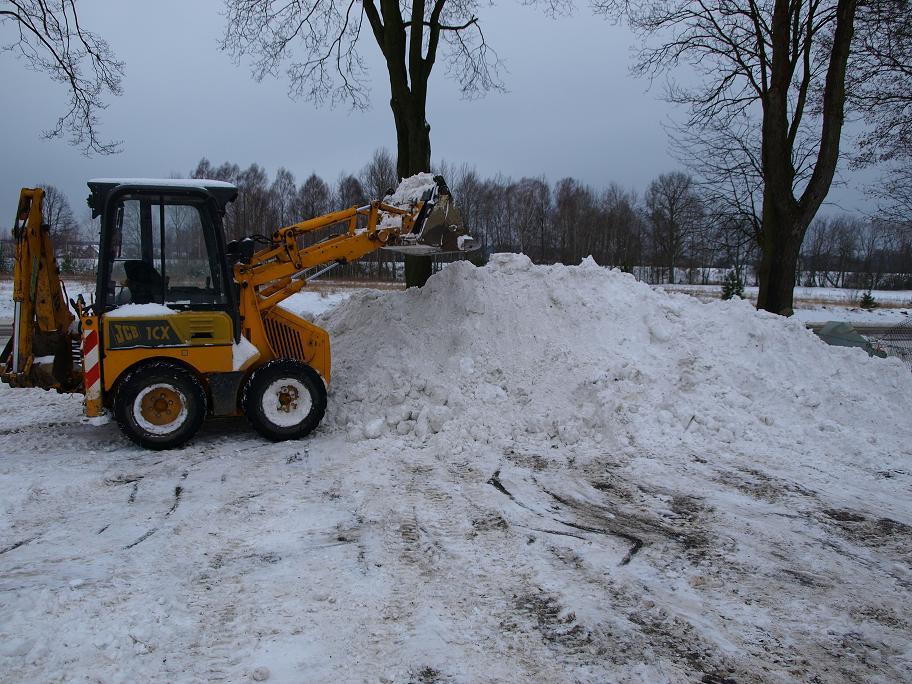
(144, 281)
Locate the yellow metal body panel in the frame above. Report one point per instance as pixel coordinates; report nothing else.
(278, 333)
(291, 336)
(200, 339)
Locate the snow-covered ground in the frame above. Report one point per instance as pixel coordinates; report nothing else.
(822, 313)
(74, 288)
(821, 304)
(829, 295)
(544, 474)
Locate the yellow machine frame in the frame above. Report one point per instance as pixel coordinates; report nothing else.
(44, 324)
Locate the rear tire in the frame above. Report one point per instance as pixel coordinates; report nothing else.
(284, 399)
(160, 405)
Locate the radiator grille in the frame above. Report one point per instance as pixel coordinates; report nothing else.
(286, 341)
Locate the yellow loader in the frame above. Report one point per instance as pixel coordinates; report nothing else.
(183, 325)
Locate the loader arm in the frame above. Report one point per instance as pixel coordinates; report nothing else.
(276, 272)
(271, 275)
(42, 319)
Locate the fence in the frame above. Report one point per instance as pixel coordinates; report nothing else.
(897, 342)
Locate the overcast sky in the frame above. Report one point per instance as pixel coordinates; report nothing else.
(571, 109)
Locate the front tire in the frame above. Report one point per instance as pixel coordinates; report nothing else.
(160, 405)
(284, 399)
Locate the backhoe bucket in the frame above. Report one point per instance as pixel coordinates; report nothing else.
(438, 227)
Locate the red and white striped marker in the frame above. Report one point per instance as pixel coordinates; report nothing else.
(92, 368)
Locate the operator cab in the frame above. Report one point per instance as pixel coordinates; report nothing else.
(162, 243)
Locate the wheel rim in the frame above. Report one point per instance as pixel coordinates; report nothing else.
(160, 409)
(286, 402)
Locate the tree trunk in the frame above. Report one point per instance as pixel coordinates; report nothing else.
(417, 270)
(413, 137)
(785, 218)
(401, 43)
(413, 145)
(780, 242)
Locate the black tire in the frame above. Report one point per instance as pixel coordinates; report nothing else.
(284, 399)
(148, 396)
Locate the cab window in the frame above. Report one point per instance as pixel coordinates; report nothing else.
(163, 251)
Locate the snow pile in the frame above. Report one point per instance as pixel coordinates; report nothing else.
(514, 353)
(411, 190)
(312, 302)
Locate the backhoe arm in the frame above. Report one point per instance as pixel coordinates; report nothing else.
(42, 319)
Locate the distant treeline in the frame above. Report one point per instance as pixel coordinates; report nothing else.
(670, 233)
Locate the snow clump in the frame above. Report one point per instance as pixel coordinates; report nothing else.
(411, 190)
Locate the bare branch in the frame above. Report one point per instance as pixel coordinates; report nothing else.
(316, 43)
(50, 39)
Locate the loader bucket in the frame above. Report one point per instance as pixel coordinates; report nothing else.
(438, 228)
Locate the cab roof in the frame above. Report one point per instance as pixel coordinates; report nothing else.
(220, 191)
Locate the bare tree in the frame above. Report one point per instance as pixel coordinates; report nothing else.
(233, 223)
(467, 186)
(349, 192)
(674, 212)
(845, 241)
(378, 177)
(252, 215)
(314, 198)
(379, 174)
(59, 216)
(49, 38)
(623, 233)
(896, 192)
(873, 242)
(881, 79)
(572, 210)
(320, 41)
(282, 194)
(532, 209)
(880, 85)
(815, 254)
(778, 64)
(724, 155)
(736, 240)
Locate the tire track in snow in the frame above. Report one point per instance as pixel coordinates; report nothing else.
(636, 543)
(18, 544)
